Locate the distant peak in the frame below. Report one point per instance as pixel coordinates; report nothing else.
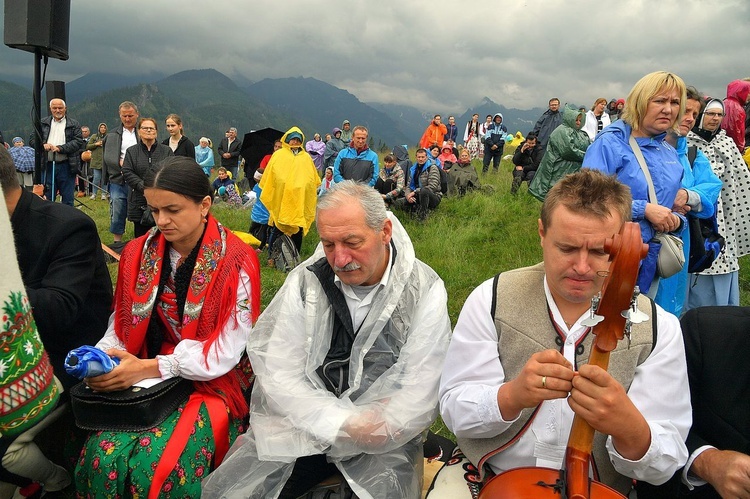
(200, 75)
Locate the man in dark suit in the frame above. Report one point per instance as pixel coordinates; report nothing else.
(229, 150)
(717, 344)
(62, 267)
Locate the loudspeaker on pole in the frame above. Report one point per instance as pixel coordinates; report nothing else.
(55, 90)
(38, 24)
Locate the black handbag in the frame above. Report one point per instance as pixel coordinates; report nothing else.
(134, 409)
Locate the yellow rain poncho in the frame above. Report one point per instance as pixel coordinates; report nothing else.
(289, 188)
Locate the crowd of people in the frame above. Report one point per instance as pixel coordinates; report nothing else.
(323, 382)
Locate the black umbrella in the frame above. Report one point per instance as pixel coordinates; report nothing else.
(256, 144)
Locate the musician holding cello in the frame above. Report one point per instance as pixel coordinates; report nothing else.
(516, 409)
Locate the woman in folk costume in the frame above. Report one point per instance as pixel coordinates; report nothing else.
(30, 392)
(187, 295)
(471, 136)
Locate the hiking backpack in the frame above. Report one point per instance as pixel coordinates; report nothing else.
(283, 252)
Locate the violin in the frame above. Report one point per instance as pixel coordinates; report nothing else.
(626, 250)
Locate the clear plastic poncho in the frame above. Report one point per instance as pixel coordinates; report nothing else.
(373, 432)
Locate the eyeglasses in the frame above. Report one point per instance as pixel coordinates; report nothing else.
(714, 115)
(148, 129)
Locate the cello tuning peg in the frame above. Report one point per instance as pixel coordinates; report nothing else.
(593, 319)
(633, 314)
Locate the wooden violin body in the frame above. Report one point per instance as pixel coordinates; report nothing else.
(539, 483)
(626, 249)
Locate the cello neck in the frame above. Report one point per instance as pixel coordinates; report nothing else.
(580, 441)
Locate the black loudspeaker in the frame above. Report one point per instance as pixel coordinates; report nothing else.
(55, 90)
(38, 24)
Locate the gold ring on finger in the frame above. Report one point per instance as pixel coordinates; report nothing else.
(544, 381)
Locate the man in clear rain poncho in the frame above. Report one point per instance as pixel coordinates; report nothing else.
(348, 358)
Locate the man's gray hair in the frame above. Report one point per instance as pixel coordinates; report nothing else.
(58, 98)
(369, 199)
(128, 105)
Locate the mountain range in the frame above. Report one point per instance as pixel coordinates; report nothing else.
(210, 102)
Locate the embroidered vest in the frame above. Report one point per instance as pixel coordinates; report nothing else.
(523, 331)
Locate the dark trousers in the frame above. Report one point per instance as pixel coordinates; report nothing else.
(385, 186)
(64, 182)
(520, 176)
(493, 155)
(260, 232)
(308, 472)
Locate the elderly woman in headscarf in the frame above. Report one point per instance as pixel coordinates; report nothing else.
(719, 284)
(316, 149)
(289, 188)
(204, 155)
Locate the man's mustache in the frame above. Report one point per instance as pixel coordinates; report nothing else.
(347, 268)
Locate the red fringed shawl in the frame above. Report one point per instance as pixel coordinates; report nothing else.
(210, 304)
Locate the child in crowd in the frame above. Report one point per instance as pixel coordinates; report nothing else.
(259, 214)
(447, 157)
(327, 182)
(222, 180)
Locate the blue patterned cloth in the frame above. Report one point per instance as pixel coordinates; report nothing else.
(23, 158)
(87, 361)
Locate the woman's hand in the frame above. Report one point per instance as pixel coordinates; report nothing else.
(662, 218)
(130, 371)
(680, 202)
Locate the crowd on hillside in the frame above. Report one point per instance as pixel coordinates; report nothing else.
(321, 383)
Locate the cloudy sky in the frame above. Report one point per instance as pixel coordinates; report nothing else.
(438, 55)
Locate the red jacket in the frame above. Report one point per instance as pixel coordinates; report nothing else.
(734, 112)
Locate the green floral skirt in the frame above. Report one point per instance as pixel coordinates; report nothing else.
(122, 464)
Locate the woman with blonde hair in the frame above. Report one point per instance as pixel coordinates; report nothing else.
(654, 106)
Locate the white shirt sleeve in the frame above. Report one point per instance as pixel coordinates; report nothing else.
(188, 359)
(473, 374)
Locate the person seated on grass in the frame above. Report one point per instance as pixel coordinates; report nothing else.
(463, 177)
(422, 193)
(347, 360)
(526, 161)
(529, 393)
(222, 180)
(447, 157)
(434, 155)
(391, 181)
